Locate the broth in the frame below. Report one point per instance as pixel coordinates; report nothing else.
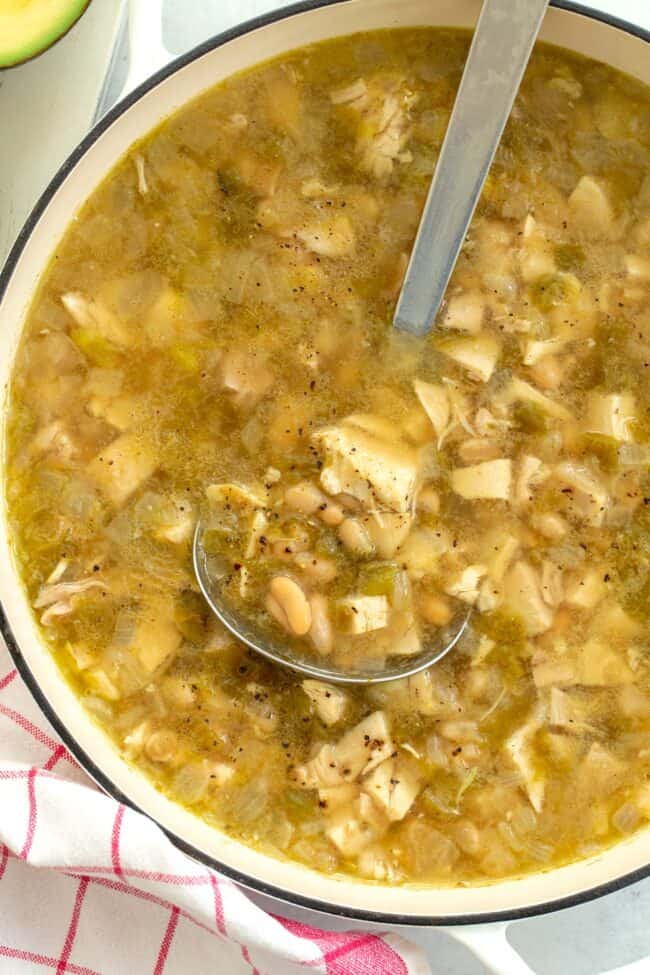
(214, 335)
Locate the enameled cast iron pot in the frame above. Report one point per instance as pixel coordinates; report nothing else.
(620, 45)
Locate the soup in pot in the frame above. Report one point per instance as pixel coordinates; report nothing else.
(213, 337)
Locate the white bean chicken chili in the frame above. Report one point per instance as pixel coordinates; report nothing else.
(213, 338)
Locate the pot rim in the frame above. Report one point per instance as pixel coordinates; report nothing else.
(84, 759)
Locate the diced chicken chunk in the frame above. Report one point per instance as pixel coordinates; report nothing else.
(435, 402)
(587, 497)
(475, 450)
(637, 267)
(491, 479)
(329, 702)
(519, 391)
(339, 795)
(120, 411)
(394, 786)
(538, 349)
(519, 748)
(522, 592)
(177, 523)
(477, 354)
(95, 316)
(54, 438)
(246, 377)
(362, 614)
(530, 474)
(464, 313)
(407, 642)
(377, 472)
(260, 175)
(421, 551)
(155, 637)
(564, 711)
(600, 773)
(422, 693)
(536, 254)
(354, 827)
(238, 497)
(585, 588)
(329, 238)
(611, 415)
(122, 467)
(498, 551)
(591, 208)
(552, 584)
(466, 586)
(599, 665)
(553, 671)
(359, 751)
(388, 530)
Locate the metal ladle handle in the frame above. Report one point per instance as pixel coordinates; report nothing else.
(501, 46)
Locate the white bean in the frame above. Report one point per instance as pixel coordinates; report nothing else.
(355, 537)
(467, 837)
(161, 746)
(547, 372)
(320, 631)
(550, 525)
(276, 611)
(428, 500)
(330, 513)
(293, 603)
(304, 497)
(434, 609)
(320, 570)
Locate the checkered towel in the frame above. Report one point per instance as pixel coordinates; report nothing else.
(90, 887)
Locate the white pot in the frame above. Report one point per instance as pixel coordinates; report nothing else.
(606, 40)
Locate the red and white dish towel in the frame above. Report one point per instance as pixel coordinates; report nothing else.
(90, 887)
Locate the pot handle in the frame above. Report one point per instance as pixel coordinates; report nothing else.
(147, 53)
(488, 943)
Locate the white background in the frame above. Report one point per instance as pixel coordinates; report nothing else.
(45, 106)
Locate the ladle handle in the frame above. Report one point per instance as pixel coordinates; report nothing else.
(503, 39)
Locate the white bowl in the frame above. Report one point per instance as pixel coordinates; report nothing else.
(267, 37)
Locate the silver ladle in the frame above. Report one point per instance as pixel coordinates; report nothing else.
(503, 40)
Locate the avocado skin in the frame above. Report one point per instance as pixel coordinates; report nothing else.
(47, 43)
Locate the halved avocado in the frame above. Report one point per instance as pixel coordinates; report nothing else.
(29, 27)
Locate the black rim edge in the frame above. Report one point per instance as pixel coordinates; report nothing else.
(86, 762)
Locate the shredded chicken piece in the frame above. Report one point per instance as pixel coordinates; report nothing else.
(59, 597)
(143, 186)
(349, 93)
(383, 105)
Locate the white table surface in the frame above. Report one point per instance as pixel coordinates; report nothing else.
(45, 106)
